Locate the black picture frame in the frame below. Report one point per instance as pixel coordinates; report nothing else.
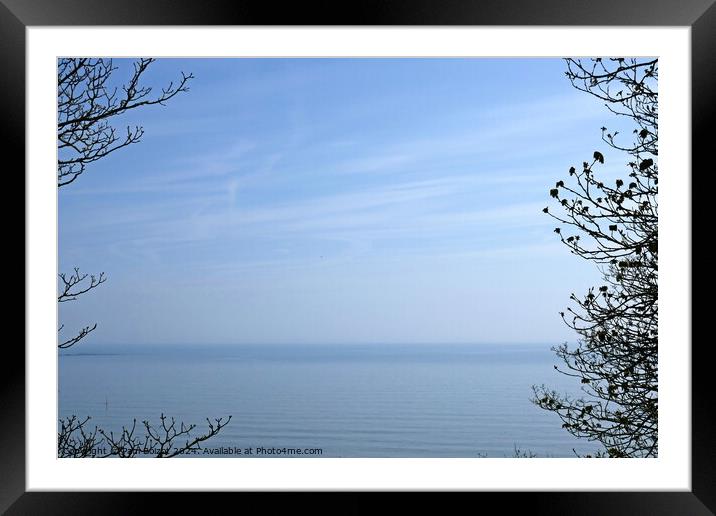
(16, 15)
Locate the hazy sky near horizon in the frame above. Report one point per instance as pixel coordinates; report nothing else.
(335, 201)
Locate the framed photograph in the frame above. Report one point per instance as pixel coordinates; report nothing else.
(408, 247)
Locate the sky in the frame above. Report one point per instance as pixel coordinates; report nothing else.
(335, 201)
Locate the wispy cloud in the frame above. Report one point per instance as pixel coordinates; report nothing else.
(417, 194)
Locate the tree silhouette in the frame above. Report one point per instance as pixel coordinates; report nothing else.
(615, 226)
(89, 99)
(71, 288)
(88, 102)
(77, 440)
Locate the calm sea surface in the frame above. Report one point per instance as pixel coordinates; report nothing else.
(349, 401)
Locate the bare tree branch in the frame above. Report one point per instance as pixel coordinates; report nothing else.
(166, 440)
(74, 285)
(74, 340)
(71, 287)
(88, 101)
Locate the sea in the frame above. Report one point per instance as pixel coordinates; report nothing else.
(369, 400)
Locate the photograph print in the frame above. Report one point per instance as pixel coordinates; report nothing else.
(357, 257)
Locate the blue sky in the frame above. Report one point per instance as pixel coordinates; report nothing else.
(335, 201)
